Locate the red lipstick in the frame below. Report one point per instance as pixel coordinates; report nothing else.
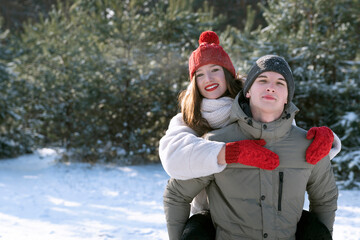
(211, 87)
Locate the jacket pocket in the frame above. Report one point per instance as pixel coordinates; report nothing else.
(281, 181)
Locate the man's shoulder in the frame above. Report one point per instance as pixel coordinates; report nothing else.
(292, 149)
(299, 135)
(294, 141)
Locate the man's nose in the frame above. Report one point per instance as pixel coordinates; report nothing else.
(271, 87)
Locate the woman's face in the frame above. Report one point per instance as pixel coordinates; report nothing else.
(210, 80)
(268, 93)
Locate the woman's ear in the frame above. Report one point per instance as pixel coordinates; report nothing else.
(248, 95)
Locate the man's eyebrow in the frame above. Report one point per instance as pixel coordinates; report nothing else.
(264, 76)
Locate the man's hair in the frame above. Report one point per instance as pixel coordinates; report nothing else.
(190, 102)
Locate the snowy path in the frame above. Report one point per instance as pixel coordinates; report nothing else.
(40, 199)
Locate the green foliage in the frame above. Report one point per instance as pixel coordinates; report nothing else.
(324, 32)
(14, 137)
(320, 40)
(347, 168)
(105, 75)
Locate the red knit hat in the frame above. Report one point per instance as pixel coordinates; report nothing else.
(209, 52)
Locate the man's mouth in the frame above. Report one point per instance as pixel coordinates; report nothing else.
(269, 97)
(211, 87)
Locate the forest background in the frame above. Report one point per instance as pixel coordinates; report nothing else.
(99, 79)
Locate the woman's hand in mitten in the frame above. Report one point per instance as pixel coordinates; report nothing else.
(251, 153)
(321, 145)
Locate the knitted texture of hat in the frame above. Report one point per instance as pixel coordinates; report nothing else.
(209, 52)
(271, 63)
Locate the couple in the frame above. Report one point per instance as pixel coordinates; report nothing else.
(257, 165)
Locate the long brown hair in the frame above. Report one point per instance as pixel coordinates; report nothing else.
(190, 102)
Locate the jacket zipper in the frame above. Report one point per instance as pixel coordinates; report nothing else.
(281, 180)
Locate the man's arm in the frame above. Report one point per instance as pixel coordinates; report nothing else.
(177, 198)
(323, 192)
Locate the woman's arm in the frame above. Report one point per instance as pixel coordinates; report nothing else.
(336, 147)
(184, 155)
(221, 156)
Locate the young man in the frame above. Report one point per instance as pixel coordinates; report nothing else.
(252, 203)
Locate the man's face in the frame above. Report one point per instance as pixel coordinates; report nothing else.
(268, 93)
(210, 80)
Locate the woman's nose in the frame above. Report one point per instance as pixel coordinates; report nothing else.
(207, 77)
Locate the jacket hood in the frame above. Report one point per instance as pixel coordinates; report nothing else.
(270, 132)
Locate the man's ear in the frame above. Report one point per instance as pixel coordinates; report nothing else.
(248, 94)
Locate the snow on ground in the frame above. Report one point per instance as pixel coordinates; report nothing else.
(43, 199)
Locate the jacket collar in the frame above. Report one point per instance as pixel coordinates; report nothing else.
(270, 132)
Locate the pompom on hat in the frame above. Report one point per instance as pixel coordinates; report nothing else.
(271, 63)
(209, 52)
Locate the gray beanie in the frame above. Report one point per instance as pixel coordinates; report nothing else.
(271, 63)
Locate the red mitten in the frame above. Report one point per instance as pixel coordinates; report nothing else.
(251, 153)
(321, 145)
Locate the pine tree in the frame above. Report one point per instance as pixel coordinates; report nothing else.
(105, 76)
(15, 139)
(320, 40)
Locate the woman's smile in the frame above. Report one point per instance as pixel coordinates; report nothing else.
(211, 87)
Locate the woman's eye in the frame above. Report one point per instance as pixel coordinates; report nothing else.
(199, 75)
(215, 70)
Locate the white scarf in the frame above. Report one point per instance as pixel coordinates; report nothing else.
(217, 111)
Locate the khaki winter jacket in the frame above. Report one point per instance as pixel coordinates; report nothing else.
(252, 203)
